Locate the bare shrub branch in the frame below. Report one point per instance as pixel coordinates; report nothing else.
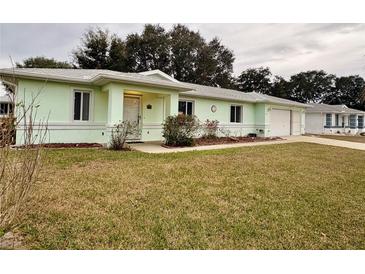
(19, 168)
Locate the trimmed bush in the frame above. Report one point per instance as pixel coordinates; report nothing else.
(180, 130)
(210, 129)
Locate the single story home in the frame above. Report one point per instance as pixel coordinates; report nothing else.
(333, 119)
(83, 105)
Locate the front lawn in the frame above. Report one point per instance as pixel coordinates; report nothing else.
(287, 196)
(356, 139)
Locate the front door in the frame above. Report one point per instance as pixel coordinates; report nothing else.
(131, 113)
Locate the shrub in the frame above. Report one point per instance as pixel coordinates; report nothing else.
(19, 169)
(180, 130)
(210, 129)
(120, 134)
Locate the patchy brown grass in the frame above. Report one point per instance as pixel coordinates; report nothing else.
(356, 139)
(288, 196)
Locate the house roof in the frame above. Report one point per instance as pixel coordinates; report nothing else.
(154, 78)
(231, 94)
(324, 108)
(91, 76)
(5, 99)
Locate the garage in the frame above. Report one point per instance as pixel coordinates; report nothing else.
(280, 122)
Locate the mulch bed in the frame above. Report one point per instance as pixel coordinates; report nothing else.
(229, 140)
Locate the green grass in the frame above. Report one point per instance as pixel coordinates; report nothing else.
(356, 139)
(288, 196)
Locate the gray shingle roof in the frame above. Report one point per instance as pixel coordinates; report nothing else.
(231, 94)
(91, 76)
(332, 109)
(97, 76)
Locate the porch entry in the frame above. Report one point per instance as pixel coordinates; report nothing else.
(132, 113)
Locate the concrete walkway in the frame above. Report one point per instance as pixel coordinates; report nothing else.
(155, 147)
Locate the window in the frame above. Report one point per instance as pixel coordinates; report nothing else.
(337, 120)
(3, 108)
(352, 121)
(6, 108)
(236, 114)
(186, 107)
(81, 106)
(328, 119)
(360, 121)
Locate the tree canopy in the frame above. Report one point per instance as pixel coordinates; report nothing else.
(180, 52)
(188, 57)
(42, 62)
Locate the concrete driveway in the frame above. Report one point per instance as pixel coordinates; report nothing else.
(155, 147)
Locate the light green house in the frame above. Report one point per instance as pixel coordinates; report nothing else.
(82, 105)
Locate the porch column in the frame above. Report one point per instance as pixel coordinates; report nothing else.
(172, 104)
(115, 104)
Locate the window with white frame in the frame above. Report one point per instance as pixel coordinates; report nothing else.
(186, 107)
(352, 121)
(337, 118)
(328, 119)
(236, 114)
(81, 105)
(360, 121)
(6, 108)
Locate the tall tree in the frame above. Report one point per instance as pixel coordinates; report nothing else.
(223, 59)
(280, 88)
(255, 79)
(311, 86)
(347, 90)
(186, 45)
(94, 50)
(150, 50)
(117, 55)
(42, 62)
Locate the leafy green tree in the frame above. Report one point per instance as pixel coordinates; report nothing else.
(255, 80)
(311, 86)
(280, 88)
(348, 91)
(117, 55)
(186, 47)
(150, 50)
(181, 53)
(222, 61)
(42, 62)
(94, 51)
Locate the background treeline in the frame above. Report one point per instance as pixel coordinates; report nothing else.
(187, 56)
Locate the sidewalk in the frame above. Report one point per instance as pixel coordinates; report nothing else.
(155, 147)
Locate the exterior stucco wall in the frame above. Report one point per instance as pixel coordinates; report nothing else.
(202, 109)
(55, 102)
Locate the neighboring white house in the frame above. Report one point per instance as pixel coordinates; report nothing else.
(333, 119)
(6, 106)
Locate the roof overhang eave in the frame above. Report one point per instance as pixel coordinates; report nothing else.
(220, 98)
(287, 104)
(98, 80)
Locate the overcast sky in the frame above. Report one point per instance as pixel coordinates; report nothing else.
(285, 48)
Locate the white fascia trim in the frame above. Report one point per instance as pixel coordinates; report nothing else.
(159, 72)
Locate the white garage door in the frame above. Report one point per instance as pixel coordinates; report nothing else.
(295, 122)
(280, 122)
